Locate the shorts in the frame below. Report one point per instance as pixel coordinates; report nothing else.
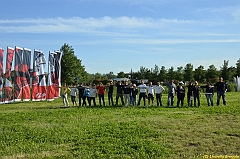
(150, 96)
(73, 98)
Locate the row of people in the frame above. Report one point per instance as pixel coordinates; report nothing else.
(128, 93)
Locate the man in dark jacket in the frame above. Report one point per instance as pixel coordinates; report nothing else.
(221, 91)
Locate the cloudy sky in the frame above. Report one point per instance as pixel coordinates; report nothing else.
(120, 35)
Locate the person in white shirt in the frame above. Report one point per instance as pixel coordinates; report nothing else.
(142, 90)
(74, 94)
(159, 90)
(150, 90)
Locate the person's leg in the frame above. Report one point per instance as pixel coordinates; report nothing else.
(172, 99)
(100, 100)
(103, 99)
(169, 99)
(224, 98)
(218, 98)
(158, 99)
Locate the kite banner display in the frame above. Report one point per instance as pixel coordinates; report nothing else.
(38, 79)
(8, 83)
(18, 72)
(1, 76)
(57, 80)
(51, 77)
(25, 78)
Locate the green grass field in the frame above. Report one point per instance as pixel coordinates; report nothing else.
(44, 130)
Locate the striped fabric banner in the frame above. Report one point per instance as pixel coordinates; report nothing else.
(25, 79)
(18, 71)
(8, 82)
(38, 79)
(51, 77)
(1, 76)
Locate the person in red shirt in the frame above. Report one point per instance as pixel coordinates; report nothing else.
(101, 90)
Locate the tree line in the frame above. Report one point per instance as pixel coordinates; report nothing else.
(73, 71)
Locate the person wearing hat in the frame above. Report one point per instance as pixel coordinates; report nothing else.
(180, 94)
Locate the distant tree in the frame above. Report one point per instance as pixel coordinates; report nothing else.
(163, 74)
(238, 68)
(212, 74)
(171, 74)
(72, 69)
(199, 74)
(121, 75)
(110, 75)
(188, 72)
(155, 72)
(224, 71)
(179, 74)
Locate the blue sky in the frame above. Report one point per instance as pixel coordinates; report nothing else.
(120, 35)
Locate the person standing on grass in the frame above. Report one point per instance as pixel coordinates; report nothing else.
(134, 92)
(110, 93)
(101, 90)
(74, 94)
(150, 90)
(171, 91)
(126, 93)
(196, 94)
(159, 90)
(209, 93)
(221, 91)
(80, 93)
(65, 91)
(92, 95)
(180, 94)
(190, 93)
(86, 94)
(119, 92)
(142, 90)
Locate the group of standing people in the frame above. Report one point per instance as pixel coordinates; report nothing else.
(128, 93)
(194, 93)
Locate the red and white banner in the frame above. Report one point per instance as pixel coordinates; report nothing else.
(8, 82)
(1, 76)
(51, 77)
(57, 80)
(25, 79)
(18, 71)
(38, 79)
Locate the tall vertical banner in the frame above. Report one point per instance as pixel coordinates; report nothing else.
(8, 82)
(57, 66)
(38, 79)
(18, 71)
(25, 78)
(51, 77)
(1, 76)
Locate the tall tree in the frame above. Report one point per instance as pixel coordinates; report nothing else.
(199, 74)
(163, 74)
(171, 74)
(121, 75)
(212, 74)
(179, 74)
(224, 71)
(188, 72)
(72, 69)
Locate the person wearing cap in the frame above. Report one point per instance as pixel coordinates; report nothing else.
(133, 97)
(180, 94)
(221, 91)
(159, 90)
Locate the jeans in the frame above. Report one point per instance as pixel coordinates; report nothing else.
(65, 100)
(223, 95)
(209, 99)
(170, 99)
(110, 99)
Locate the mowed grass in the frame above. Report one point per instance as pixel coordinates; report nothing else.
(44, 130)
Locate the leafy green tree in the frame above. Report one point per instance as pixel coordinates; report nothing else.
(224, 71)
(179, 73)
(72, 70)
(188, 72)
(212, 74)
(199, 74)
(163, 74)
(238, 68)
(121, 75)
(171, 74)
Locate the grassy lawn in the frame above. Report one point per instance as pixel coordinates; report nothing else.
(44, 130)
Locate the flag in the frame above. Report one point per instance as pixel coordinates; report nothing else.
(18, 72)
(1, 75)
(8, 83)
(57, 66)
(38, 79)
(25, 79)
(51, 77)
